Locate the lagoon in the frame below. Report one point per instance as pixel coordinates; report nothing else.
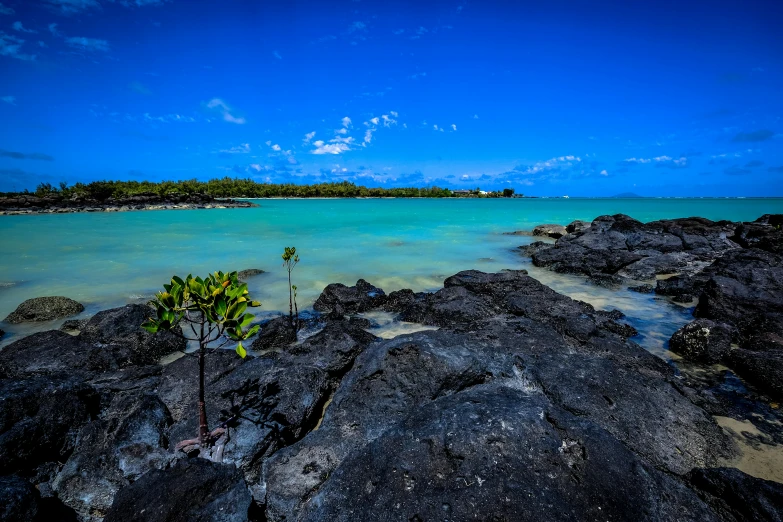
(109, 259)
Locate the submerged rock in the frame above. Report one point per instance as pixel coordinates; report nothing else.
(244, 275)
(276, 333)
(19, 500)
(44, 309)
(193, 490)
(703, 340)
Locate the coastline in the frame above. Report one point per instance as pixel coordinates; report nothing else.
(31, 205)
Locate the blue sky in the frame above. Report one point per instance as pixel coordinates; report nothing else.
(551, 98)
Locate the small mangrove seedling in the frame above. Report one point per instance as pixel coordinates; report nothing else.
(213, 310)
(290, 260)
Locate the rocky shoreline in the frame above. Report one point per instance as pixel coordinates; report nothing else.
(524, 404)
(56, 204)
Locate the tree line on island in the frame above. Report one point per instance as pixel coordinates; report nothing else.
(246, 188)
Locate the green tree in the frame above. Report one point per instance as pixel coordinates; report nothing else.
(508, 192)
(213, 309)
(290, 260)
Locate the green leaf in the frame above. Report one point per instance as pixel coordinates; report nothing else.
(150, 326)
(220, 305)
(241, 351)
(250, 333)
(255, 303)
(246, 320)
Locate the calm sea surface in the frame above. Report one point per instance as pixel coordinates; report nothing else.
(110, 259)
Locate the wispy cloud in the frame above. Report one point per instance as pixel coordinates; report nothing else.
(755, 136)
(244, 148)
(357, 26)
(166, 118)
(277, 55)
(9, 99)
(387, 121)
(453, 127)
(11, 46)
(53, 29)
(417, 75)
(659, 161)
(475, 116)
(221, 106)
(309, 136)
(346, 122)
(18, 26)
(4, 10)
(22, 155)
(69, 7)
(421, 31)
(87, 44)
(330, 148)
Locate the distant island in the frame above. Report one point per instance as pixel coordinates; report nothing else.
(215, 193)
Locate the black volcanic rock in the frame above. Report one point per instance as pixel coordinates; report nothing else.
(463, 455)
(350, 299)
(19, 500)
(737, 496)
(44, 309)
(193, 490)
(553, 231)
(703, 340)
(276, 333)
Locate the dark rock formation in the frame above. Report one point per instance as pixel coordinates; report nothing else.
(463, 455)
(535, 247)
(620, 245)
(735, 495)
(193, 490)
(349, 299)
(553, 231)
(73, 325)
(19, 500)
(119, 330)
(44, 309)
(56, 203)
(276, 333)
(577, 226)
(40, 419)
(642, 289)
(112, 339)
(127, 441)
(703, 340)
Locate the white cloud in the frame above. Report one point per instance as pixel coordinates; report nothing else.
(417, 75)
(375, 120)
(662, 158)
(42, 44)
(9, 99)
(225, 110)
(341, 131)
(87, 44)
(453, 127)
(435, 127)
(637, 160)
(53, 29)
(346, 121)
(244, 148)
(69, 7)
(398, 31)
(21, 28)
(277, 55)
(276, 147)
(404, 125)
(6, 10)
(394, 113)
(604, 173)
(368, 136)
(330, 148)
(465, 177)
(309, 136)
(388, 122)
(550, 164)
(475, 116)
(357, 26)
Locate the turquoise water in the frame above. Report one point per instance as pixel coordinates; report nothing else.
(109, 259)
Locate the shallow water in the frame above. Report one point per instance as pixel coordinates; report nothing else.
(109, 259)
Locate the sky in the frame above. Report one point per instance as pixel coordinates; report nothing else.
(584, 98)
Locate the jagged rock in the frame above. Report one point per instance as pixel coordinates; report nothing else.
(193, 490)
(503, 454)
(119, 331)
(535, 247)
(745, 289)
(334, 348)
(737, 496)
(40, 418)
(128, 440)
(702, 340)
(577, 226)
(44, 309)
(19, 500)
(350, 299)
(553, 231)
(518, 233)
(276, 333)
(642, 289)
(762, 369)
